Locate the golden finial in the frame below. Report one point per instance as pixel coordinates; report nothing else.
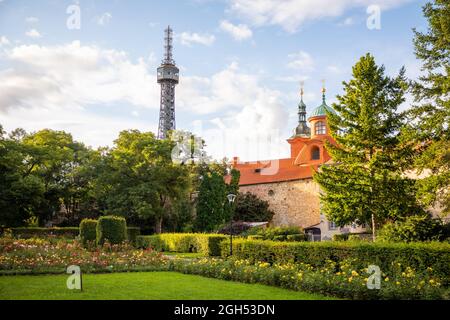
(302, 84)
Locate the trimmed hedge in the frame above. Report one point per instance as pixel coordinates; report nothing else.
(26, 233)
(88, 231)
(277, 234)
(112, 229)
(297, 237)
(133, 233)
(350, 236)
(419, 256)
(208, 244)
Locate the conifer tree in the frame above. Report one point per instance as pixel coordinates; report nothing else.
(430, 118)
(364, 183)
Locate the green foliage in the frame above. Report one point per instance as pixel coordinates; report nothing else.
(140, 178)
(88, 231)
(207, 244)
(366, 178)
(419, 256)
(296, 237)
(40, 172)
(255, 237)
(211, 200)
(430, 129)
(112, 229)
(133, 233)
(27, 233)
(352, 236)
(278, 233)
(412, 229)
(250, 208)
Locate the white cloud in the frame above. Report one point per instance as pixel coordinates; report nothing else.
(238, 32)
(33, 33)
(61, 87)
(301, 61)
(334, 69)
(31, 20)
(291, 14)
(104, 19)
(245, 114)
(4, 41)
(187, 39)
(75, 76)
(347, 22)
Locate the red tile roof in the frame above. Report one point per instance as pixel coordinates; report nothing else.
(264, 172)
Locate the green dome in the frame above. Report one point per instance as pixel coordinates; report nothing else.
(322, 110)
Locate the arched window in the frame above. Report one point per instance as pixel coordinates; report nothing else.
(321, 128)
(315, 153)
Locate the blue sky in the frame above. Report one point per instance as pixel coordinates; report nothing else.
(241, 64)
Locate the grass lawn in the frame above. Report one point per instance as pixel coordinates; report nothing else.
(141, 286)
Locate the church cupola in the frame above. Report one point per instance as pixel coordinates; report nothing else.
(318, 118)
(302, 129)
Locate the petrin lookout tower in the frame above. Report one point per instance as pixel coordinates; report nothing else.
(168, 78)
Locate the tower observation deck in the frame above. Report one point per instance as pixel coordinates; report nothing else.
(168, 78)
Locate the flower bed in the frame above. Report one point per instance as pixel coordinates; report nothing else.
(54, 256)
(344, 281)
(419, 256)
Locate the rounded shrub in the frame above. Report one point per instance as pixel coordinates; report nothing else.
(412, 229)
(88, 231)
(112, 229)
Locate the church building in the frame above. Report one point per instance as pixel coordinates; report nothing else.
(287, 184)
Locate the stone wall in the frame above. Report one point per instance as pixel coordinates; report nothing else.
(295, 203)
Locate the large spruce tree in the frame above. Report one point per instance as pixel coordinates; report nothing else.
(430, 118)
(364, 183)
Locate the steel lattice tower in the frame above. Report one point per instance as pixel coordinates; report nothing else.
(168, 78)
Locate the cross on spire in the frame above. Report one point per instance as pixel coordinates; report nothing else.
(324, 90)
(302, 84)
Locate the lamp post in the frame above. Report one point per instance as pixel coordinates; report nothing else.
(231, 198)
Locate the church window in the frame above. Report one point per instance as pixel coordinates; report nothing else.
(271, 193)
(321, 128)
(315, 153)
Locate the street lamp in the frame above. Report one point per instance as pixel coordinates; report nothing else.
(231, 198)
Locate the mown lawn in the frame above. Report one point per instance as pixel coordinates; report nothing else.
(141, 286)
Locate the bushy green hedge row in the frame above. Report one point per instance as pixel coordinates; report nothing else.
(112, 229)
(419, 256)
(208, 244)
(27, 233)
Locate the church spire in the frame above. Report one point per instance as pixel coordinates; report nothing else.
(302, 128)
(324, 91)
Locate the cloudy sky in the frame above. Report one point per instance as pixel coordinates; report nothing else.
(241, 64)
